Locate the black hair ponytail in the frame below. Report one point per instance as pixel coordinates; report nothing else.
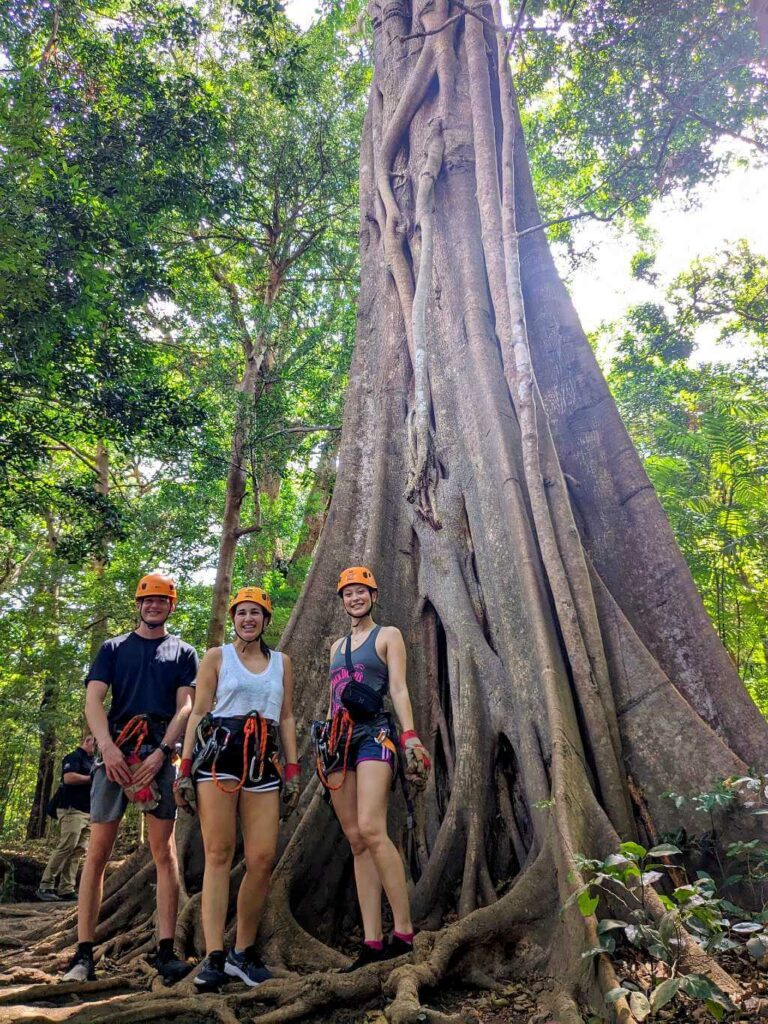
(262, 645)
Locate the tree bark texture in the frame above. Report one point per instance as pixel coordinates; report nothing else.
(557, 647)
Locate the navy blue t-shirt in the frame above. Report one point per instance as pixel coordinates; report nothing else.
(144, 675)
(77, 795)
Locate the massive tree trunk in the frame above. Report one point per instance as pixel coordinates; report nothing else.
(557, 646)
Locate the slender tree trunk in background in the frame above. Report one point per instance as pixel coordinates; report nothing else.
(100, 627)
(255, 352)
(237, 478)
(264, 546)
(49, 706)
(46, 765)
(318, 503)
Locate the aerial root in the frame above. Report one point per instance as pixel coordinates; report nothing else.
(54, 989)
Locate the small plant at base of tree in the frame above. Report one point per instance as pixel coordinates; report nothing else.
(751, 858)
(693, 908)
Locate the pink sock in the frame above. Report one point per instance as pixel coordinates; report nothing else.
(374, 944)
(404, 936)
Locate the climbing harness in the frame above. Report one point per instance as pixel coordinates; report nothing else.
(215, 736)
(327, 738)
(137, 727)
(146, 797)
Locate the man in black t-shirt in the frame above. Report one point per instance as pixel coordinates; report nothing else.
(73, 813)
(150, 673)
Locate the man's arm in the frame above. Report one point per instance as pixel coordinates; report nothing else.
(71, 771)
(177, 725)
(114, 762)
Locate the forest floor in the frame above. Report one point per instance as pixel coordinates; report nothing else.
(515, 1003)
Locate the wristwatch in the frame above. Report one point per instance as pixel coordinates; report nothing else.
(167, 749)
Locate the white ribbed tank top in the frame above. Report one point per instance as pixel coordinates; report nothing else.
(239, 690)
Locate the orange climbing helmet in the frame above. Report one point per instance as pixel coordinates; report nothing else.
(255, 594)
(157, 584)
(357, 574)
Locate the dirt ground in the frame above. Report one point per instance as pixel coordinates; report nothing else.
(514, 1003)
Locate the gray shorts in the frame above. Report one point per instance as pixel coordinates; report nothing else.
(108, 801)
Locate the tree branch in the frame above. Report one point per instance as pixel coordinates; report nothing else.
(301, 429)
(242, 531)
(432, 31)
(515, 28)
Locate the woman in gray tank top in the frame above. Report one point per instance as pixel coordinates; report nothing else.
(357, 756)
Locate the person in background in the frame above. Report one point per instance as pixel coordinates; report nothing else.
(150, 673)
(73, 811)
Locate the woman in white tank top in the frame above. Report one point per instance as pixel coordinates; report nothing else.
(243, 699)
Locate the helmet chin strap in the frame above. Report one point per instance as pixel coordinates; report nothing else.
(241, 637)
(265, 623)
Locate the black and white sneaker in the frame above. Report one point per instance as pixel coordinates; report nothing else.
(367, 955)
(247, 967)
(211, 976)
(80, 967)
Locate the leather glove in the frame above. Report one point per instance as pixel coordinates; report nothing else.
(146, 797)
(184, 788)
(417, 763)
(291, 787)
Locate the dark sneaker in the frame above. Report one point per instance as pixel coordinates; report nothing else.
(247, 967)
(47, 896)
(396, 947)
(67, 897)
(171, 968)
(367, 955)
(211, 976)
(80, 968)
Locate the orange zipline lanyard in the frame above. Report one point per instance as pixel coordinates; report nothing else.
(253, 724)
(136, 726)
(340, 723)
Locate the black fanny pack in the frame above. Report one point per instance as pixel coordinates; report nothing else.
(361, 701)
